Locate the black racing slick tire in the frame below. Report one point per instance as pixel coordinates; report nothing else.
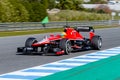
(28, 45)
(30, 41)
(65, 44)
(96, 42)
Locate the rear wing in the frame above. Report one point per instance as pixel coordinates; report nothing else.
(84, 28)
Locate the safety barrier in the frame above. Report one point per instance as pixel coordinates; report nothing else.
(12, 26)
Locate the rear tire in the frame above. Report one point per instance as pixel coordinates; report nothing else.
(96, 42)
(65, 45)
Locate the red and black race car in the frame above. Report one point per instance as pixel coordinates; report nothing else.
(70, 40)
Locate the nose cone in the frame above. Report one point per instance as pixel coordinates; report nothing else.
(44, 41)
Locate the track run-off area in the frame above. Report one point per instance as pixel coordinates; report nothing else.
(86, 63)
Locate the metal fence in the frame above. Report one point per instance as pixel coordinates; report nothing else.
(37, 25)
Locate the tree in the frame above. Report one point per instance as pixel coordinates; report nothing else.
(52, 4)
(45, 3)
(6, 11)
(28, 7)
(31, 0)
(70, 4)
(21, 10)
(77, 4)
(12, 10)
(36, 10)
(21, 14)
(97, 1)
(64, 4)
(39, 12)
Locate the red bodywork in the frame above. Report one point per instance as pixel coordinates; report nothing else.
(47, 40)
(71, 34)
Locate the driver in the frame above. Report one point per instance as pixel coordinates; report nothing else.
(63, 35)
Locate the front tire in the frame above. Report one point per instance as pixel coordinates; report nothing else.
(30, 41)
(28, 44)
(96, 42)
(65, 45)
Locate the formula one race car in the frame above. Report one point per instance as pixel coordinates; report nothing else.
(70, 40)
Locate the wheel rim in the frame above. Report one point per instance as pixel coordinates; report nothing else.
(99, 43)
(68, 47)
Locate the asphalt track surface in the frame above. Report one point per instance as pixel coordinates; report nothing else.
(9, 61)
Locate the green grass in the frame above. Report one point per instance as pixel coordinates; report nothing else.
(106, 26)
(17, 33)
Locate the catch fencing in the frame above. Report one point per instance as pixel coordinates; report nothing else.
(13, 26)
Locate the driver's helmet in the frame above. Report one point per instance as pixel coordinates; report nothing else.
(63, 34)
